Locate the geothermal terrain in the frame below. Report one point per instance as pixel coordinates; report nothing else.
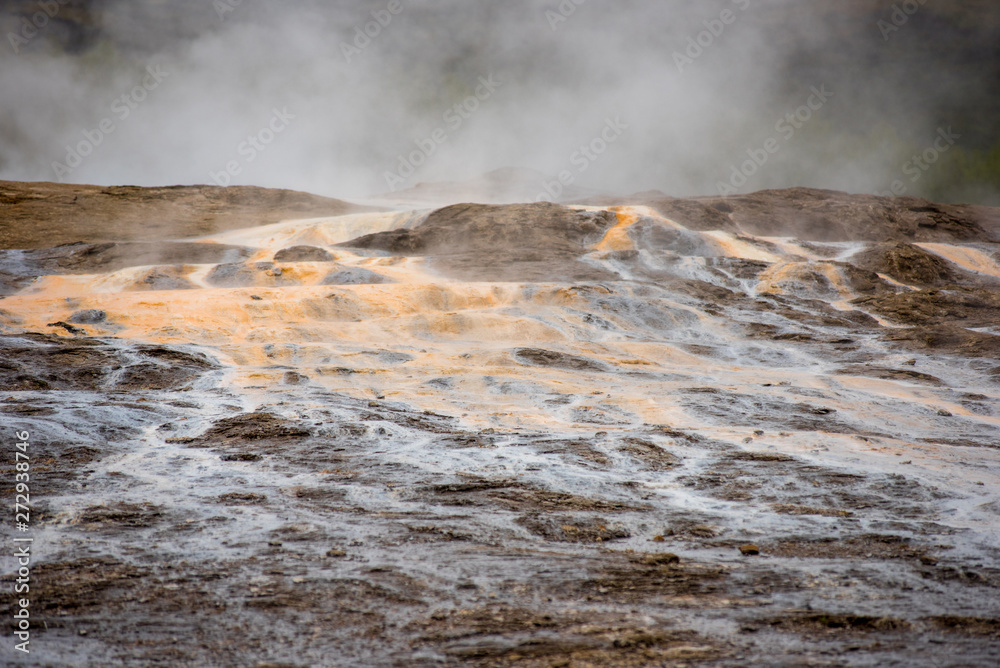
(273, 429)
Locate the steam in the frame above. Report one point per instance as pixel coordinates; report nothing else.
(700, 87)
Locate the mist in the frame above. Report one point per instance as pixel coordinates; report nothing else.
(356, 99)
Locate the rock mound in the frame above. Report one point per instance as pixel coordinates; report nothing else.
(354, 276)
(907, 264)
(39, 362)
(88, 258)
(551, 358)
(37, 215)
(303, 254)
(517, 242)
(827, 215)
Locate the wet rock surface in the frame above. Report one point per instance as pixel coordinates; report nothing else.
(244, 275)
(826, 215)
(956, 304)
(81, 258)
(46, 362)
(524, 573)
(906, 263)
(24, 266)
(728, 450)
(556, 359)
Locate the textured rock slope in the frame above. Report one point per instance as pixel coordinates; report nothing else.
(726, 431)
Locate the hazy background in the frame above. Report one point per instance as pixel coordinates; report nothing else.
(686, 130)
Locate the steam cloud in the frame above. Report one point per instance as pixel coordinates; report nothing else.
(696, 88)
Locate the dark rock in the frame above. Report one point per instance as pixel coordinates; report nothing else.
(241, 457)
(118, 515)
(540, 357)
(37, 215)
(250, 427)
(88, 317)
(68, 327)
(826, 215)
(827, 623)
(907, 264)
(953, 305)
(164, 278)
(652, 455)
(968, 626)
(516, 242)
(354, 276)
(294, 378)
(83, 258)
(573, 530)
(890, 374)
(303, 254)
(948, 339)
(242, 499)
(49, 362)
(659, 559)
(250, 274)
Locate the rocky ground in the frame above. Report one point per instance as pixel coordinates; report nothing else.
(42, 215)
(756, 430)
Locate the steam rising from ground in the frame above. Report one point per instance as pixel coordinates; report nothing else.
(347, 107)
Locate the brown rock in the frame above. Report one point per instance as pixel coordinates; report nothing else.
(826, 215)
(38, 215)
(516, 242)
(907, 264)
(303, 254)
